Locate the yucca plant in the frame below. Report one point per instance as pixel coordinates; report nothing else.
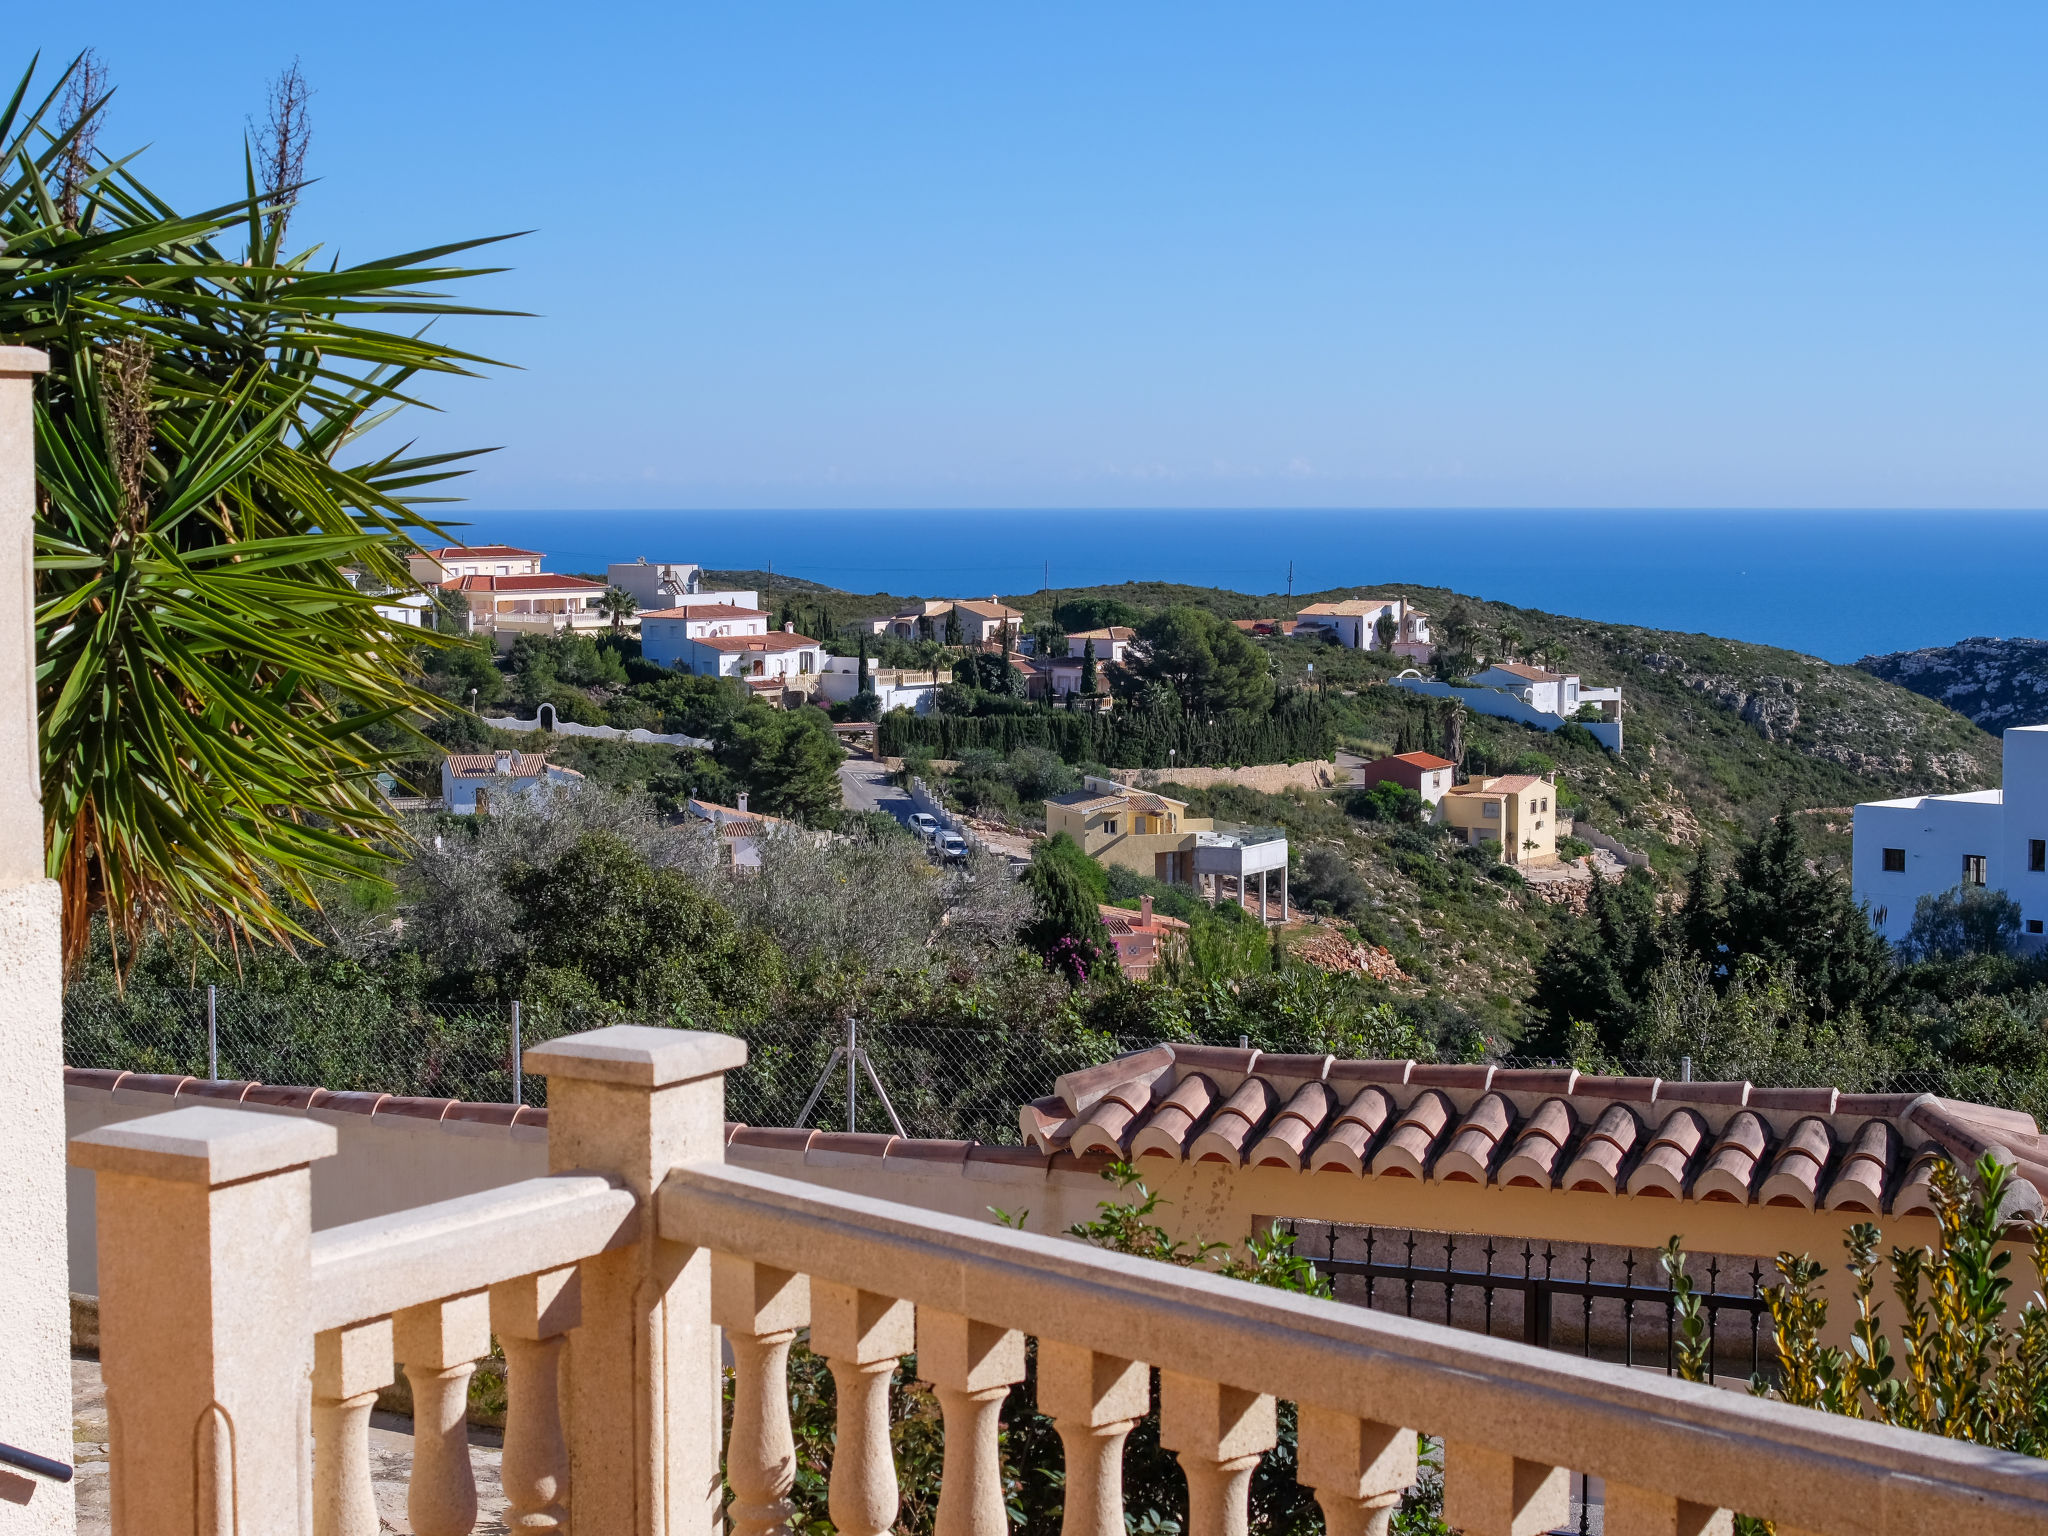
(217, 695)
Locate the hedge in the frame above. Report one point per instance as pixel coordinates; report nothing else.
(1295, 730)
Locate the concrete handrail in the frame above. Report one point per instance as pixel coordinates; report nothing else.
(374, 1268)
(1696, 1444)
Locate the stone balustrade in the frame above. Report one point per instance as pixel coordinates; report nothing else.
(241, 1354)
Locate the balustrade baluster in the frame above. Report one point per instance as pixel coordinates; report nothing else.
(440, 1344)
(350, 1366)
(1490, 1493)
(1358, 1469)
(760, 1310)
(972, 1366)
(1094, 1402)
(531, 1316)
(862, 1336)
(1218, 1433)
(1633, 1511)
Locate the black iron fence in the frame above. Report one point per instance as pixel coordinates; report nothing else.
(1607, 1303)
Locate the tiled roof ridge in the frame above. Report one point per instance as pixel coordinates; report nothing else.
(292, 1096)
(1543, 1127)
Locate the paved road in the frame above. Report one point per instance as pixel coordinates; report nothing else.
(864, 786)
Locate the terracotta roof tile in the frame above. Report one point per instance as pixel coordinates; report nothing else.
(1405, 1153)
(1287, 1139)
(1232, 1129)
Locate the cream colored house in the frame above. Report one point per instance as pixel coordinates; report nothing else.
(1516, 812)
(1154, 835)
(980, 622)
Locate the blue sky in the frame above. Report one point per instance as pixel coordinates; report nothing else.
(1152, 255)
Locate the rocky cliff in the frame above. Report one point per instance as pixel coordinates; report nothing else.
(1997, 683)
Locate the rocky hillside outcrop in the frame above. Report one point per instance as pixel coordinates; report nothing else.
(1997, 683)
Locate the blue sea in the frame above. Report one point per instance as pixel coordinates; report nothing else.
(1838, 585)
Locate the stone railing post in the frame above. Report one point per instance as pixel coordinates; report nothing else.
(1632, 1511)
(350, 1367)
(1359, 1470)
(862, 1336)
(760, 1310)
(205, 1224)
(1218, 1434)
(531, 1316)
(972, 1366)
(440, 1344)
(1094, 1402)
(643, 1399)
(1490, 1493)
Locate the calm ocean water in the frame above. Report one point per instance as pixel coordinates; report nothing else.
(1833, 584)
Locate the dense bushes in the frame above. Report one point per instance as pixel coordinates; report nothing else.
(1296, 729)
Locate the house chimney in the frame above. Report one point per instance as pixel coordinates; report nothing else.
(742, 806)
(788, 628)
(504, 763)
(1145, 911)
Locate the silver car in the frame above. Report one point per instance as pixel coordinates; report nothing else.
(952, 847)
(925, 825)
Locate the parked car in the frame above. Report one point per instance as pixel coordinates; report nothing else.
(925, 825)
(952, 847)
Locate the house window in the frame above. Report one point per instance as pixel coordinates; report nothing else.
(2033, 925)
(1973, 869)
(2037, 854)
(1110, 826)
(1895, 861)
(805, 660)
(1492, 809)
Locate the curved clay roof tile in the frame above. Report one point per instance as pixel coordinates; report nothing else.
(1796, 1172)
(1172, 1125)
(1469, 1157)
(1406, 1154)
(1866, 1169)
(1046, 1124)
(1662, 1172)
(1286, 1142)
(1230, 1131)
(1916, 1190)
(1539, 1149)
(1351, 1134)
(1730, 1170)
(1605, 1149)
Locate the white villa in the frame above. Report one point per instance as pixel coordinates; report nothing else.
(668, 584)
(1994, 838)
(1553, 693)
(777, 657)
(1356, 623)
(476, 783)
(664, 631)
(893, 687)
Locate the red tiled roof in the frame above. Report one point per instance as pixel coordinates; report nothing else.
(1540, 1128)
(541, 583)
(484, 765)
(1420, 760)
(1533, 674)
(482, 552)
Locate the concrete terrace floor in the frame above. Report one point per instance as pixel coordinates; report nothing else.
(390, 1461)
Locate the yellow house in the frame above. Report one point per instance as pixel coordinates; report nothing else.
(1155, 836)
(1516, 812)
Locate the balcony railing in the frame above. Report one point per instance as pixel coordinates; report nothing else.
(242, 1352)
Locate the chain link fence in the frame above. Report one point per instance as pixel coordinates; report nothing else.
(916, 1078)
(931, 1082)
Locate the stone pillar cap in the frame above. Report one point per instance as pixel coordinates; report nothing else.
(23, 360)
(204, 1146)
(639, 1056)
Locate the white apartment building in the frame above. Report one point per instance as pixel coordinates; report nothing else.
(663, 631)
(1553, 693)
(1926, 844)
(670, 584)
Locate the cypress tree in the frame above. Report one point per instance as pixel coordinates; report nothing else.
(1088, 680)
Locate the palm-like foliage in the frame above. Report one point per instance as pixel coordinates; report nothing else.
(216, 694)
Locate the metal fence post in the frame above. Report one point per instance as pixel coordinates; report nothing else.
(1685, 1069)
(518, 1066)
(212, 1033)
(852, 1070)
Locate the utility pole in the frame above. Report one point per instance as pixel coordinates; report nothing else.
(1290, 581)
(1045, 581)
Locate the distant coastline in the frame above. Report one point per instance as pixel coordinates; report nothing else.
(1838, 585)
